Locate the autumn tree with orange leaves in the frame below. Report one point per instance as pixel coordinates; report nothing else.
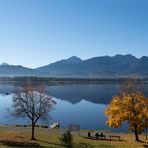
(130, 105)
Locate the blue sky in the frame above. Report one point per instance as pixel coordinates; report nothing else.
(35, 33)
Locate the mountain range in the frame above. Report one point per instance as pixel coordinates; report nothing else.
(117, 66)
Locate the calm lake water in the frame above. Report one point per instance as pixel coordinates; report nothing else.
(82, 104)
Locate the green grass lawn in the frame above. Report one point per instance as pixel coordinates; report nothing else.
(51, 140)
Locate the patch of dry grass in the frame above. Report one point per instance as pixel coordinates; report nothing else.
(51, 140)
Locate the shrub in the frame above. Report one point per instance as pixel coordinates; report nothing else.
(66, 139)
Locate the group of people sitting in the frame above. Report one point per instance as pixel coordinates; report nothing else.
(97, 135)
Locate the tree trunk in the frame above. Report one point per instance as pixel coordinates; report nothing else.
(33, 126)
(136, 133)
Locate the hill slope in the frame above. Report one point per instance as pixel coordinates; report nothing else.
(11, 71)
(117, 66)
(105, 66)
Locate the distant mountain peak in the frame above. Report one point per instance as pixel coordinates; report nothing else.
(144, 58)
(71, 60)
(124, 57)
(120, 55)
(4, 64)
(74, 58)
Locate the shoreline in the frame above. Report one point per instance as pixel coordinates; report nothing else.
(55, 80)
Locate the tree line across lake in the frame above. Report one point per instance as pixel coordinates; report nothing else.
(56, 80)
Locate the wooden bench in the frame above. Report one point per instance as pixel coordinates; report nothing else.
(114, 136)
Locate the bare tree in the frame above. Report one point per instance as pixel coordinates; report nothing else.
(32, 102)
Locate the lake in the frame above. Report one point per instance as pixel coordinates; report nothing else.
(82, 104)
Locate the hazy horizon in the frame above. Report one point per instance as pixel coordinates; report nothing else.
(37, 33)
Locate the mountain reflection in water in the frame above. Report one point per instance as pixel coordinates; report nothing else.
(83, 104)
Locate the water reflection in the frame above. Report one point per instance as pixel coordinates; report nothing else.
(100, 94)
(78, 103)
(96, 93)
(87, 115)
(75, 93)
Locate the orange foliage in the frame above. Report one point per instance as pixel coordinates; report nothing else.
(131, 106)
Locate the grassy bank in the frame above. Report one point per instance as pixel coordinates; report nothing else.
(20, 137)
